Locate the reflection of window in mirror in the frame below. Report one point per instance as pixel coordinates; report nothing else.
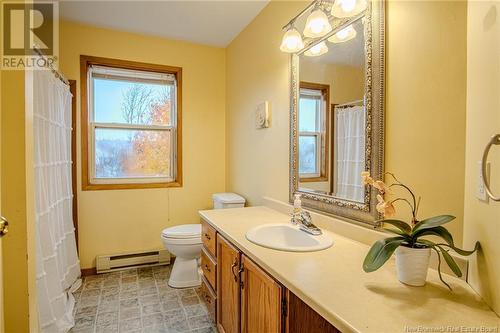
(314, 118)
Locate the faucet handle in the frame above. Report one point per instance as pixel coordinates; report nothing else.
(306, 217)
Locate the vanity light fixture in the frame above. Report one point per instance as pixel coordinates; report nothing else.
(292, 41)
(317, 24)
(317, 50)
(348, 8)
(343, 35)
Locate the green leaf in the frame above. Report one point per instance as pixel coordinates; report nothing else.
(398, 232)
(401, 225)
(432, 222)
(460, 251)
(439, 267)
(436, 231)
(449, 260)
(380, 252)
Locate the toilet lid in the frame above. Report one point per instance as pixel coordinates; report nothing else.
(183, 231)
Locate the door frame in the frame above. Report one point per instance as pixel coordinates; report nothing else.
(72, 89)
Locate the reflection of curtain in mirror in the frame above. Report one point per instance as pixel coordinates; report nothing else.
(350, 152)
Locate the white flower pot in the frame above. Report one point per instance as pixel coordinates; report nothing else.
(412, 265)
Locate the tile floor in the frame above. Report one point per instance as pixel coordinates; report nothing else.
(138, 300)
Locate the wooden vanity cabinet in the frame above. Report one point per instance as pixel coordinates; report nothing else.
(208, 288)
(228, 282)
(301, 318)
(249, 300)
(242, 297)
(261, 300)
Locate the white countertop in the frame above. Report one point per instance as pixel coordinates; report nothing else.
(333, 283)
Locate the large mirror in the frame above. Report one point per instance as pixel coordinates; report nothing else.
(337, 117)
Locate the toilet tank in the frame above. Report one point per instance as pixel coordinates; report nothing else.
(228, 200)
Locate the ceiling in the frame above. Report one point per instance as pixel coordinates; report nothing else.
(213, 23)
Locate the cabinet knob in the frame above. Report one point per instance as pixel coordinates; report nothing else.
(207, 236)
(207, 268)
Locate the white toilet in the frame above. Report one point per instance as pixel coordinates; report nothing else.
(184, 241)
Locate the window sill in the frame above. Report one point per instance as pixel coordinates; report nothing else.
(136, 186)
(313, 179)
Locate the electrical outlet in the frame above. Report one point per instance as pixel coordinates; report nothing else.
(481, 188)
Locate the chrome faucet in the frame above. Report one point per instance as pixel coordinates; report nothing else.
(304, 220)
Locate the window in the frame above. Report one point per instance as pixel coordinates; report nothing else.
(131, 116)
(313, 131)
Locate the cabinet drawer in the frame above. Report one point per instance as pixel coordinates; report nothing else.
(209, 298)
(209, 268)
(208, 237)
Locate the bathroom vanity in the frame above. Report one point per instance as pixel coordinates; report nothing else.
(250, 288)
(241, 296)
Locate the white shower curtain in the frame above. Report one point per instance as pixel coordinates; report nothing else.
(350, 152)
(58, 267)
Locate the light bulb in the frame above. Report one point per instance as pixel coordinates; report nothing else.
(343, 35)
(292, 41)
(317, 24)
(317, 50)
(348, 8)
(348, 5)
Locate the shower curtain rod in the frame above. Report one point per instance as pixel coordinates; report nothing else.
(353, 103)
(57, 74)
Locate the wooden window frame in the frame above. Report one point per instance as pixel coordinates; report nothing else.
(85, 63)
(325, 136)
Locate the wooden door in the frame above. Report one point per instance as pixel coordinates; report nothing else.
(261, 300)
(2, 221)
(1, 285)
(228, 287)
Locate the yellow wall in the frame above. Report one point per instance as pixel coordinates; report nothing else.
(425, 105)
(346, 82)
(482, 221)
(128, 220)
(13, 162)
(256, 70)
(425, 108)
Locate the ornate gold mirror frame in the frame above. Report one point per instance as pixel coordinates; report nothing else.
(364, 212)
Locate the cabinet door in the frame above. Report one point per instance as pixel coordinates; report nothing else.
(228, 287)
(261, 300)
(301, 318)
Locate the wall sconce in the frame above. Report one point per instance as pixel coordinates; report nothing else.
(319, 24)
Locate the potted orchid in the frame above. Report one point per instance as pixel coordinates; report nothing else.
(410, 245)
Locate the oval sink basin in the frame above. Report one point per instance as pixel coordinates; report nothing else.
(287, 237)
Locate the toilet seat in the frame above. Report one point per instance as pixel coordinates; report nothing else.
(186, 234)
(183, 231)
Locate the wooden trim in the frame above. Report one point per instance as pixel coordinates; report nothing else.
(74, 183)
(85, 62)
(89, 271)
(313, 179)
(332, 144)
(325, 91)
